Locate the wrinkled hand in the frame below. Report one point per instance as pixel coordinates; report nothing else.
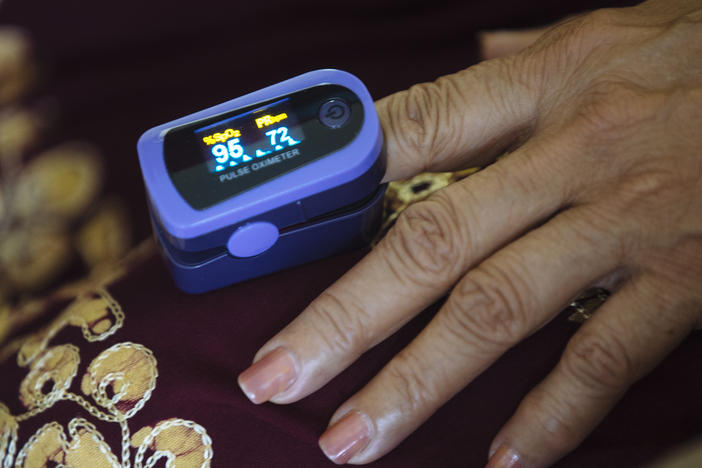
(603, 118)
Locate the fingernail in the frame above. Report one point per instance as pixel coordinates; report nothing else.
(345, 438)
(267, 377)
(504, 457)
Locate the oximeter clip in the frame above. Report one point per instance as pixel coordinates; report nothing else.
(267, 181)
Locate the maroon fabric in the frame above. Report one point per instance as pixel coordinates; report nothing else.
(118, 68)
(202, 342)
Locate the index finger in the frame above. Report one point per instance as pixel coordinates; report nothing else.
(432, 244)
(460, 120)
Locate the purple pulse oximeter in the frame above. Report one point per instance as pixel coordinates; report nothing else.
(279, 177)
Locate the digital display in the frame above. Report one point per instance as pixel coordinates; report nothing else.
(220, 156)
(240, 141)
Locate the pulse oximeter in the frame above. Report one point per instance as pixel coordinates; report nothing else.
(270, 180)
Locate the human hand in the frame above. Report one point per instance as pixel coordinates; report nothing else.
(602, 117)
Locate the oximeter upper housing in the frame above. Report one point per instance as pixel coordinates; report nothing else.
(273, 179)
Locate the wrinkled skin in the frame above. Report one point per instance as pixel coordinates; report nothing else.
(602, 116)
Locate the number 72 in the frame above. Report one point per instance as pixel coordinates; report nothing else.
(284, 137)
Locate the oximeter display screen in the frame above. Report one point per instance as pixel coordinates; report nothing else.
(242, 140)
(218, 157)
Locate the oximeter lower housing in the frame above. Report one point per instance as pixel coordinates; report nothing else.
(196, 272)
(280, 177)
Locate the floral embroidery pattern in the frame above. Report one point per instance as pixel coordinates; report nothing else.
(177, 440)
(51, 216)
(54, 213)
(49, 444)
(96, 312)
(57, 367)
(115, 386)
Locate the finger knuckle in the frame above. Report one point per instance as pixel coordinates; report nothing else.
(599, 19)
(596, 27)
(673, 275)
(511, 86)
(415, 393)
(687, 116)
(489, 308)
(648, 206)
(426, 241)
(651, 182)
(554, 417)
(424, 120)
(687, 28)
(590, 226)
(599, 362)
(341, 323)
(612, 106)
(578, 37)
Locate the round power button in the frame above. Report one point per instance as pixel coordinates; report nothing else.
(252, 239)
(334, 113)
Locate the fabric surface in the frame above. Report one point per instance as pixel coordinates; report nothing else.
(120, 366)
(179, 355)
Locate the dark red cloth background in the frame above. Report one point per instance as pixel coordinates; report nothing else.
(118, 68)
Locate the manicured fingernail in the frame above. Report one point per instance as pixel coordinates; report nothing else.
(267, 377)
(504, 457)
(345, 438)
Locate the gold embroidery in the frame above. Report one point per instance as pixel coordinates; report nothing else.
(99, 278)
(42, 204)
(120, 380)
(129, 371)
(33, 256)
(8, 436)
(5, 318)
(59, 184)
(18, 130)
(49, 377)
(16, 67)
(47, 213)
(174, 439)
(90, 286)
(16, 317)
(49, 444)
(96, 312)
(40, 201)
(402, 193)
(104, 238)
